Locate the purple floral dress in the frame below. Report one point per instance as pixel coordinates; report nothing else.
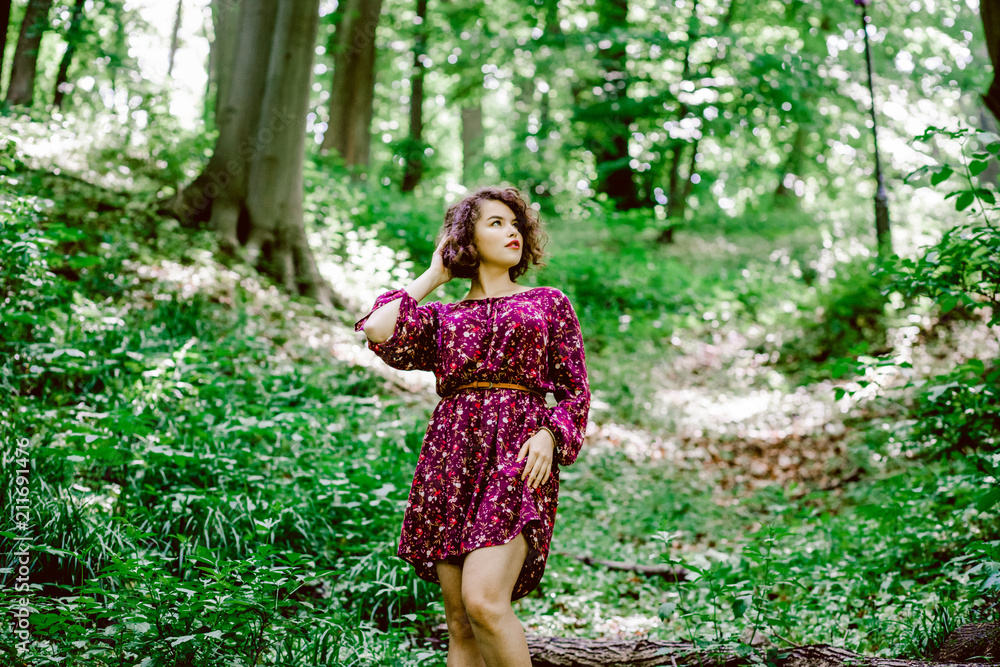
(466, 491)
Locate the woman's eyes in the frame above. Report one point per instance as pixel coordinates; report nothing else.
(497, 222)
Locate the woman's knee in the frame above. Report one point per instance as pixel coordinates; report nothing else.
(484, 610)
(459, 626)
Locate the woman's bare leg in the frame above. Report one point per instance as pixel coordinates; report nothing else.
(488, 578)
(462, 648)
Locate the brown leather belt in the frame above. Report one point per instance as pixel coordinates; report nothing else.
(501, 385)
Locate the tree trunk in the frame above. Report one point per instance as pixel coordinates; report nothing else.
(175, 37)
(4, 25)
(975, 641)
(614, 175)
(472, 143)
(989, 12)
(222, 54)
(988, 123)
(219, 192)
(414, 153)
(20, 90)
(553, 38)
(793, 164)
(678, 191)
(251, 190)
(272, 171)
(353, 93)
(675, 192)
(572, 652)
(73, 37)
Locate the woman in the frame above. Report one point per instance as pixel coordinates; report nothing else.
(483, 502)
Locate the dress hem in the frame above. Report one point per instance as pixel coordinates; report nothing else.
(520, 531)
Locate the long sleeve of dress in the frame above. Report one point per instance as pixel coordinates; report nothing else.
(568, 374)
(413, 344)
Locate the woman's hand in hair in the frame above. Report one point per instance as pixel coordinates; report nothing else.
(437, 263)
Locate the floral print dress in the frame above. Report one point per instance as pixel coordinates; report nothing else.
(467, 492)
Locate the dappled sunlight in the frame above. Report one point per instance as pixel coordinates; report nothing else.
(269, 310)
(67, 144)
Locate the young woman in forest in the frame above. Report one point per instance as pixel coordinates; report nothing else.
(483, 501)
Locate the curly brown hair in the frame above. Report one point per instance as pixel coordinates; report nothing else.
(459, 253)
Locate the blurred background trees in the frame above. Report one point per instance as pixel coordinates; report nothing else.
(662, 109)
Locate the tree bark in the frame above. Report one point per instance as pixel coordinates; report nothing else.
(73, 37)
(614, 175)
(472, 143)
(219, 192)
(979, 641)
(989, 12)
(4, 25)
(21, 89)
(272, 172)
(414, 154)
(573, 652)
(222, 52)
(251, 189)
(678, 192)
(175, 37)
(353, 92)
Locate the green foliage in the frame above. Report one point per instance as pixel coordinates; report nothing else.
(849, 311)
(953, 416)
(180, 466)
(957, 411)
(858, 572)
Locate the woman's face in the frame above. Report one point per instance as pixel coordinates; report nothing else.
(498, 235)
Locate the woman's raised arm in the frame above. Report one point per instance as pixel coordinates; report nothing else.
(381, 323)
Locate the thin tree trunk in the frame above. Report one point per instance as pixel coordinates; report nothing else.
(21, 89)
(677, 194)
(414, 158)
(472, 142)
(353, 92)
(73, 37)
(989, 12)
(175, 37)
(4, 25)
(680, 189)
(555, 40)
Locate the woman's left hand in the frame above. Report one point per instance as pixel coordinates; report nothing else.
(538, 449)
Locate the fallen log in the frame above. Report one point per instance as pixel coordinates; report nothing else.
(578, 652)
(668, 572)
